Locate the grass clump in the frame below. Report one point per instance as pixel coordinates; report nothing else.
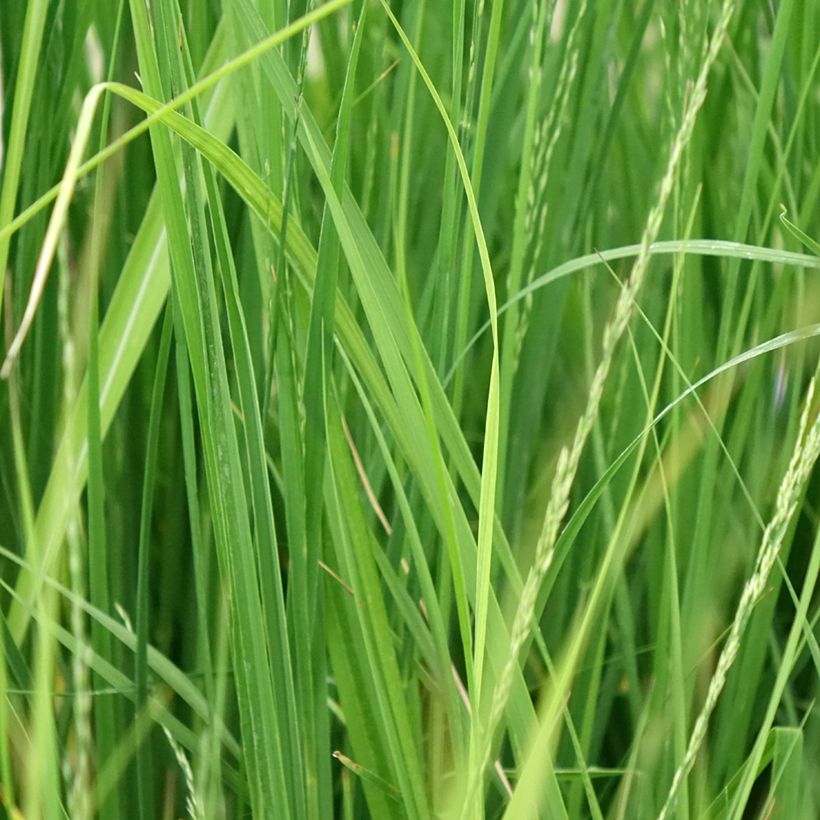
(408, 409)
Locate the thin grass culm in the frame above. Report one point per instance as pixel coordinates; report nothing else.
(803, 458)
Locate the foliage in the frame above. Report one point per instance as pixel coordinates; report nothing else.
(409, 408)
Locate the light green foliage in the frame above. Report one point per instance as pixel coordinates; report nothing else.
(471, 469)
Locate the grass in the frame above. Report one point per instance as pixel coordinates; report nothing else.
(408, 409)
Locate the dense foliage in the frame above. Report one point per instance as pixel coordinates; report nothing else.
(415, 416)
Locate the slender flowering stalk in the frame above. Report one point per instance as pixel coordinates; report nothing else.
(806, 451)
(193, 802)
(472, 71)
(546, 138)
(78, 771)
(569, 459)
